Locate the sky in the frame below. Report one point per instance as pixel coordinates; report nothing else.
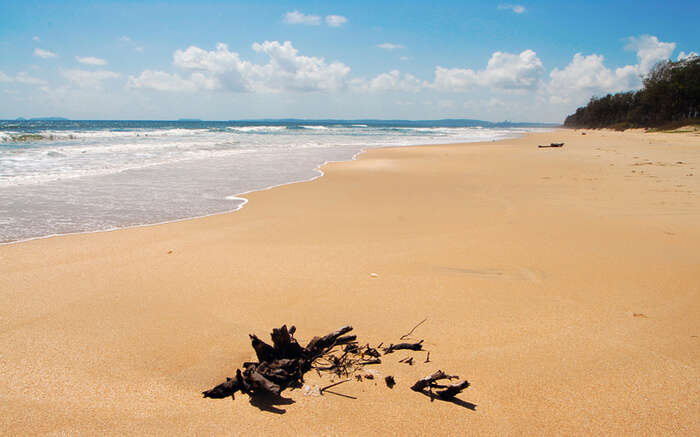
(531, 61)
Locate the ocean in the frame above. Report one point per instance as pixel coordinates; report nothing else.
(60, 177)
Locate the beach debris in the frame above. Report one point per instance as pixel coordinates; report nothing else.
(374, 275)
(448, 391)
(408, 346)
(551, 145)
(390, 382)
(332, 385)
(284, 363)
(406, 335)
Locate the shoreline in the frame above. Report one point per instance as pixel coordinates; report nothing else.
(561, 283)
(238, 196)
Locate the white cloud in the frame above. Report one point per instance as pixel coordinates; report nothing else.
(125, 39)
(684, 55)
(91, 60)
(297, 17)
(518, 9)
(4, 77)
(44, 54)
(24, 78)
(221, 68)
(406, 58)
(390, 46)
(586, 76)
(89, 79)
(162, 81)
(35, 38)
(289, 71)
(505, 71)
(391, 81)
(335, 20)
(650, 50)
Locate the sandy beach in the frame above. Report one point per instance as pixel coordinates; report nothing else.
(563, 283)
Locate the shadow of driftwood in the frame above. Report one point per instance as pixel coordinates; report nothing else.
(268, 403)
(458, 402)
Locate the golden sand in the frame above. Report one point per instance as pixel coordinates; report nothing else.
(564, 284)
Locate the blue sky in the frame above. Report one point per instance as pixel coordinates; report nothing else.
(524, 61)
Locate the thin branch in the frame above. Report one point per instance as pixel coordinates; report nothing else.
(414, 328)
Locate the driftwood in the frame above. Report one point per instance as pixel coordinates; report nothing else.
(390, 382)
(284, 363)
(551, 145)
(413, 329)
(409, 346)
(430, 382)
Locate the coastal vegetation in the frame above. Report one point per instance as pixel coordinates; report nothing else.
(669, 98)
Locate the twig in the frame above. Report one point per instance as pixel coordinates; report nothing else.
(333, 385)
(414, 328)
(427, 359)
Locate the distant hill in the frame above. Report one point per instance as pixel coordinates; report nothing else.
(670, 97)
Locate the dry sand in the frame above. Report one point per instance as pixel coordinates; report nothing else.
(563, 283)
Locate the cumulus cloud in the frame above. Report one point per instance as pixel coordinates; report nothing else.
(518, 9)
(89, 79)
(650, 50)
(91, 60)
(586, 76)
(684, 55)
(391, 81)
(297, 17)
(221, 68)
(504, 71)
(335, 20)
(390, 46)
(44, 54)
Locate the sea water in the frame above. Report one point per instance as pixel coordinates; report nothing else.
(59, 177)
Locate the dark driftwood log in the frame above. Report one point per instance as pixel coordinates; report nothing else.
(284, 364)
(285, 344)
(449, 391)
(452, 390)
(390, 382)
(264, 351)
(430, 380)
(409, 346)
(318, 345)
(223, 390)
(551, 145)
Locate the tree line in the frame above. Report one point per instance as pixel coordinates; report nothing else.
(670, 95)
